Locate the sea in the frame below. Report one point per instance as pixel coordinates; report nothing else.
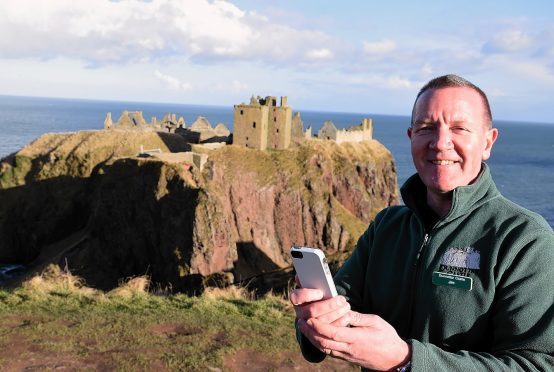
(522, 161)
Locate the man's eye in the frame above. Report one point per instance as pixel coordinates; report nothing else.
(460, 129)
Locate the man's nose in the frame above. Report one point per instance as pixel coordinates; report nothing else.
(443, 139)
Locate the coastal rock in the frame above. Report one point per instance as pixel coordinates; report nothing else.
(85, 200)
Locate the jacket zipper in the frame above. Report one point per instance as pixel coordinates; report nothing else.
(425, 239)
(413, 286)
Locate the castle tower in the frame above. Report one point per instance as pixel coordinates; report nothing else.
(280, 124)
(262, 124)
(297, 130)
(367, 127)
(251, 124)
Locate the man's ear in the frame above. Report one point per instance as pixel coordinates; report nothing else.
(490, 137)
(409, 132)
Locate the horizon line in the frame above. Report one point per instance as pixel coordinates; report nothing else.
(225, 106)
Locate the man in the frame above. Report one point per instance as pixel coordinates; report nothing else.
(458, 279)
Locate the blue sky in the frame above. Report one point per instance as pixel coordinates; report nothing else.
(353, 56)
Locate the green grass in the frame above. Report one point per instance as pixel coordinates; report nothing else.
(12, 175)
(143, 330)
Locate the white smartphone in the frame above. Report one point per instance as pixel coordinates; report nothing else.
(312, 270)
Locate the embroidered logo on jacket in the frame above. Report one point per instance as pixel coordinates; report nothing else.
(460, 261)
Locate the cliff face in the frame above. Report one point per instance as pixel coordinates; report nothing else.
(85, 200)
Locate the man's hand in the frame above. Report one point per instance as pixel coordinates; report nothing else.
(309, 303)
(371, 342)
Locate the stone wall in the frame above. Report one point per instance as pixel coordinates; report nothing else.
(356, 133)
(280, 126)
(297, 128)
(251, 125)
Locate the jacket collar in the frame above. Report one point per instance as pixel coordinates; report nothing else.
(465, 199)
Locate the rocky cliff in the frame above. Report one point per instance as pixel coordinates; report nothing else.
(86, 200)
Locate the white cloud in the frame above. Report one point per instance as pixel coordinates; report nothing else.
(321, 54)
(105, 32)
(397, 82)
(532, 71)
(234, 86)
(379, 48)
(427, 69)
(238, 86)
(384, 81)
(172, 82)
(509, 41)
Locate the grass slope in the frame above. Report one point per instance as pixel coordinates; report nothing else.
(54, 322)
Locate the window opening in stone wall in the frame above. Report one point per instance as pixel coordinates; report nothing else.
(275, 119)
(254, 125)
(277, 130)
(242, 112)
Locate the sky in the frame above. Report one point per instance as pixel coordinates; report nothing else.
(341, 56)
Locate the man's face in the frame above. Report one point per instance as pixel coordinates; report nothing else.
(450, 137)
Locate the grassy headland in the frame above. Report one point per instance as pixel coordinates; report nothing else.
(52, 321)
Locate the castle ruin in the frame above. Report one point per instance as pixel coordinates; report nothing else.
(262, 124)
(128, 120)
(200, 131)
(356, 133)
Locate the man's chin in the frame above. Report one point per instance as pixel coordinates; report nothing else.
(441, 189)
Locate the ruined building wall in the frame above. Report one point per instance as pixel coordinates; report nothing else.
(108, 123)
(356, 133)
(129, 120)
(352, 136)
(297, 130)
(251, 126)
(280, 125)
(328, 131)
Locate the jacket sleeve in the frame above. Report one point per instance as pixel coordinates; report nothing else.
(348, 276)
(522, 319)
(311, 353)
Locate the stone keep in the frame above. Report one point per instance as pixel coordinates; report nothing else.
(262, 124)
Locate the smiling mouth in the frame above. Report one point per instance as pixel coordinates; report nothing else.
(443, 162)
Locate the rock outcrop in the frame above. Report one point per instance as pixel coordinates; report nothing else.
(86, 201)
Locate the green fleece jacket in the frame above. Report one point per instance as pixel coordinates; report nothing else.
(472, 292)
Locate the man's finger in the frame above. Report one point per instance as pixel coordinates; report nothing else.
(363, 320)
(326, 309)
(344, 356)
(301, 296)
(336, 314)
(343, 321)
(331, 332)
(322, 307)
(323, 343)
